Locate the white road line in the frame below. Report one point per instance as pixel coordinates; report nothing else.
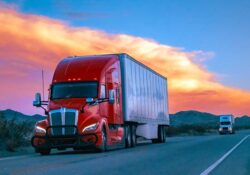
(213, 166)
(13, 157)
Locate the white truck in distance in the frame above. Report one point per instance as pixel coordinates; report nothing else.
(226, 124)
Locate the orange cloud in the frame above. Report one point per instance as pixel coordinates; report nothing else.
(30, 43)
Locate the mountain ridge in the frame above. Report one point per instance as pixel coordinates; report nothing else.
(203, 118)
(10, 114)
(190, 117)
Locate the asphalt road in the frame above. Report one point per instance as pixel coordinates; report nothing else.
(190, 155)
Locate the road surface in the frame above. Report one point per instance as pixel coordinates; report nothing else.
(190, 155)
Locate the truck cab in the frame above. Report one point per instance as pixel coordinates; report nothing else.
(82, 110)
(226, 124)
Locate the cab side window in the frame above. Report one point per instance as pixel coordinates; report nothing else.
(117, 95)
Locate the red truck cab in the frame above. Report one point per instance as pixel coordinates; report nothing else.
(82, 110)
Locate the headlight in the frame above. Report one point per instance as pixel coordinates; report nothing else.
(230, 129)
(90, 127)
(39, 129)
(220, 129)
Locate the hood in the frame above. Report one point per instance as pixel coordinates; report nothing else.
(72, 103)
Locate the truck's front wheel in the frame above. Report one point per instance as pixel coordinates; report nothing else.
(103, 146)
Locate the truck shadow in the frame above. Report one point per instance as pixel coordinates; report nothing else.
(94, 151)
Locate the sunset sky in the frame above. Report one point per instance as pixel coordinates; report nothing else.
(201, 46)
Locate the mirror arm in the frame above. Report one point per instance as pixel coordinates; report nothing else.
(45, 110)
(100, 100)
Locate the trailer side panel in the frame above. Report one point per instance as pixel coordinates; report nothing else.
(145, 98)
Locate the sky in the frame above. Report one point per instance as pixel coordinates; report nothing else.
(201, 46)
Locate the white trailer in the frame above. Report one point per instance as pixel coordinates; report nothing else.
(145, 99)
(226, 124)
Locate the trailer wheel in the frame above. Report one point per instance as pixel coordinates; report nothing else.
(103, 147)
(158, 140)
(43, 152)
(133, 135)
(127, 137)
(161, 135)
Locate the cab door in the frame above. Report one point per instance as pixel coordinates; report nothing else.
(113, 86)
(114, 108)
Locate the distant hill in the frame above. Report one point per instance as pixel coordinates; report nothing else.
(203, 118)
(193, 118)
(243, 121)
(20, 117)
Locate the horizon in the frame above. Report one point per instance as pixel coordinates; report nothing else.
(36, 38)
(169, 113)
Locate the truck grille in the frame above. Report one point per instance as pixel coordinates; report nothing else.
(60, 121)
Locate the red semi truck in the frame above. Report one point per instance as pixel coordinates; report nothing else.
(102, 101)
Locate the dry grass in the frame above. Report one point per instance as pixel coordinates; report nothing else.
(191, 129)
(14, 134)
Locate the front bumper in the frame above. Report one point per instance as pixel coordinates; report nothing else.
(77, 140)
(225, 131)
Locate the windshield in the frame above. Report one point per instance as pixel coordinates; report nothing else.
(225, 123)
(74, 90)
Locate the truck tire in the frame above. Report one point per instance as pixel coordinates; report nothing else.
(161, 135)
(133, 135)
(127, 137)
(44, 152)
(158, 136)
(164, 134)
(103, 147)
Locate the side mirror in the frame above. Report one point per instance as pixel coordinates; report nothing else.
(112, 96)
(89, 100)
(37, 102)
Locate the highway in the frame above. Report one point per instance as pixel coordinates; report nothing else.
(185, 155)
